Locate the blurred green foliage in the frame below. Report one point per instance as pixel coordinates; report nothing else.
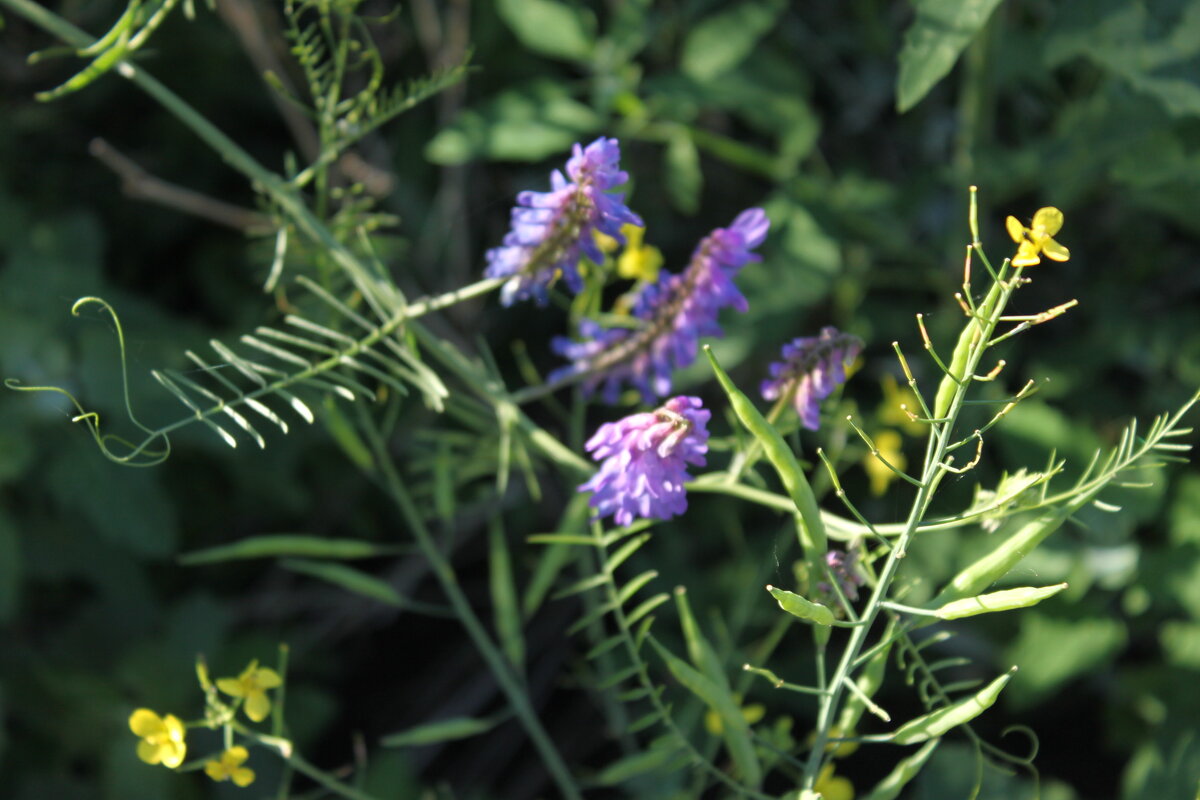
(1088, 105)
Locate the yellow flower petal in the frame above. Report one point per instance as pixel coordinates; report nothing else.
(712, 723)
(267, 678)
(1015, 229)
(257, 705)
(172, 753)
(234, 756)
(1027, 255)
(753, 713)
(149, 752)
(231, 686)
(832, 787)
(215, 770)
(145, 722)
(1047, 220)
(633, 235)
(1055, 251)
(243, 777)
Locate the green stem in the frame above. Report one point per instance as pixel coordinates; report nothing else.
(444, 571)
(286, 750)
(934, 470)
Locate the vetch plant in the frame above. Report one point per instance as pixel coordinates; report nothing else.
(342, 343)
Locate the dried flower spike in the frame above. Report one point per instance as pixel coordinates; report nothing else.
(812, 367)
(551, 230)
(645, 460)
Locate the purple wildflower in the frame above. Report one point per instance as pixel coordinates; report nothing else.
(841, 566)
(812, 367)
(672, 314)
(550, 230)
(646, 457)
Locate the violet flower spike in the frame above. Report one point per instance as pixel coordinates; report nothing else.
(842, 567)
(812, 367)
(673, 314)
(552, 230)
(645, 460)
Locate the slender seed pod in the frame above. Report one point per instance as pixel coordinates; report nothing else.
(810, 528)
(996, 564)
(890, 787)
(797, 606)
(869, 681)
(1006, 600)
(962, 352)
(936, 723)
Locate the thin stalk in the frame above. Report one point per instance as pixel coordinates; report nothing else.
(286, 750)
(932, 473)
(444, 571)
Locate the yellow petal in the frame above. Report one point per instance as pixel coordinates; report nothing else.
(234, 756)
(633, 235)
(257, 705)
(753, 713)
(232, 686)
(267, 678)
(172, 753)
(1027, 255)
(243, 777)
(712, 722)
(1015, 229)
(215, 770)
(1055, 251)
(1048, 220)
(145, 722)
(149, 752)
(174, 728)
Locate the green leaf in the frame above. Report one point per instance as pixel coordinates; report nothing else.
(683, 176)
(10, 569)
(445, 730)
(549, 27)
(348, 578)
(631, 766)
(941, 31)
(1052, 651)
(720, 700)
(505, 607)
(1181, 643)
(723, 40)
(286, 544)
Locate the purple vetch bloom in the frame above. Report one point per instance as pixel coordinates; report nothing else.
(812, 367)
(841, 565)
(551, 230)
(645, 460)
(671, 315)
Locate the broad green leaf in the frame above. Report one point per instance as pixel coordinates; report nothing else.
(505, 607)
(939, 34)
(631, 766)
(348, 578)
(550, 27)
(445, 730)
(286, 544)
(1052, 651)
(723, 40)
(1181, 643)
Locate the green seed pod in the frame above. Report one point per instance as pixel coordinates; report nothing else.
(936, 723)
(810, 526)
(869, 681)
(996, 564)
(797, 606)
(889, 788)
(1006, 600)
(962, 352)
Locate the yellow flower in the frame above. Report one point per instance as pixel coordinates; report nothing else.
(832, 787)
(751, 713)
(161, 737)
(638, 261)
(888, 442)
(252, 685)
(230, 767)
(890, 412)
(839, 749)
(1037, 238)
(606, 243)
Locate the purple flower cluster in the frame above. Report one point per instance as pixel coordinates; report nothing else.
(672, 314)
(841, 565)
(551, 230)
(812, 367)
(646, 457)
